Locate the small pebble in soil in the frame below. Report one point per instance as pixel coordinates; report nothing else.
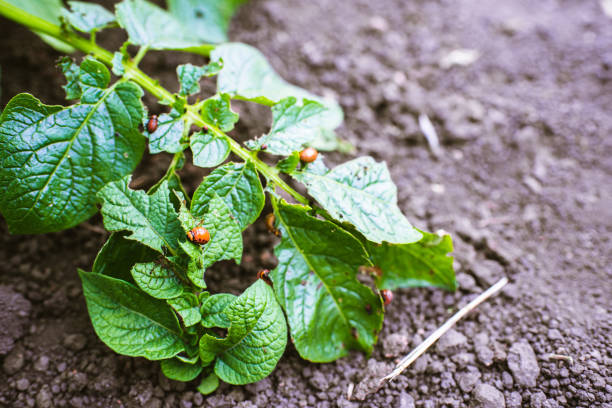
(75, 342)
(450, 342)
(467, 380)
(523, 364)
(14, 361)
(487, 396)
(395, 344)
(405, 400)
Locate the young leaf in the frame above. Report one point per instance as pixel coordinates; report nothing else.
(208, 150)
(289, 164)
(54, 159)
(209, 384)
(328, 309)
(128, 321)
(247, 75)
(118, 68)
(157, 280)
(225, 238)
(71, 71)
(195, 265)
(178, 370)
(151, 26)
(207, 19)
(294, 126)
(189, 76)
(213, 310)
(238, 185)
(48, 10)
(362, 193)
(151, 218)
(423, 263)
(119, 254)
(218, 111)
(87, 17)
(167, 136)
(256, 338)
(225, 233)
(187, 307)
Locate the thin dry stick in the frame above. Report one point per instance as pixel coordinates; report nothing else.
(433, 337)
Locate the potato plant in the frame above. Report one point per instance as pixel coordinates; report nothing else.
(146, 293)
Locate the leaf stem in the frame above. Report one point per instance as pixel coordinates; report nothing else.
(132, 72)
(140, 55)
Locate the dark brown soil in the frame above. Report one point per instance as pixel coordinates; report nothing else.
(523, 185)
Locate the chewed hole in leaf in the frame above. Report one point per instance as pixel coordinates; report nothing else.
(219, 332)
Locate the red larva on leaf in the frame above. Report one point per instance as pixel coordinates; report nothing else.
(308, 155)
(152, 124)
(270, 220)
(199, 235)
(387, 296)
(264, 275)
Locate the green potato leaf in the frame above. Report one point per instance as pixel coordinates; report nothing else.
(208, 149)
(362, 193)
(118, 255)
(157, 280)
(189, 76)
(423, 263)
(178, 370)
(128, 321)
(72, 72)
(289, 163)
(151, 219)
(153, 27)
(87, 17)
(167, 137)
(218, 111)
(206, 19)
(187, 307)
(213, 310)
(238, 185)
(255, 340)
(209, 384)
(225, 238)
(294, 126)
(53, 160)
(329, 311)
(247, 75)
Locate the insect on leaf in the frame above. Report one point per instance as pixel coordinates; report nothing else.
(167, 136)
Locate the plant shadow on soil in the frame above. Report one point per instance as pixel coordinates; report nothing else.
(523, 186)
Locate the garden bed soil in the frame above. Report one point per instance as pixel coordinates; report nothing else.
(522, 184)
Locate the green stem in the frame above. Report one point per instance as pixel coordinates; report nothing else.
(132, 72)
(140, 55)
